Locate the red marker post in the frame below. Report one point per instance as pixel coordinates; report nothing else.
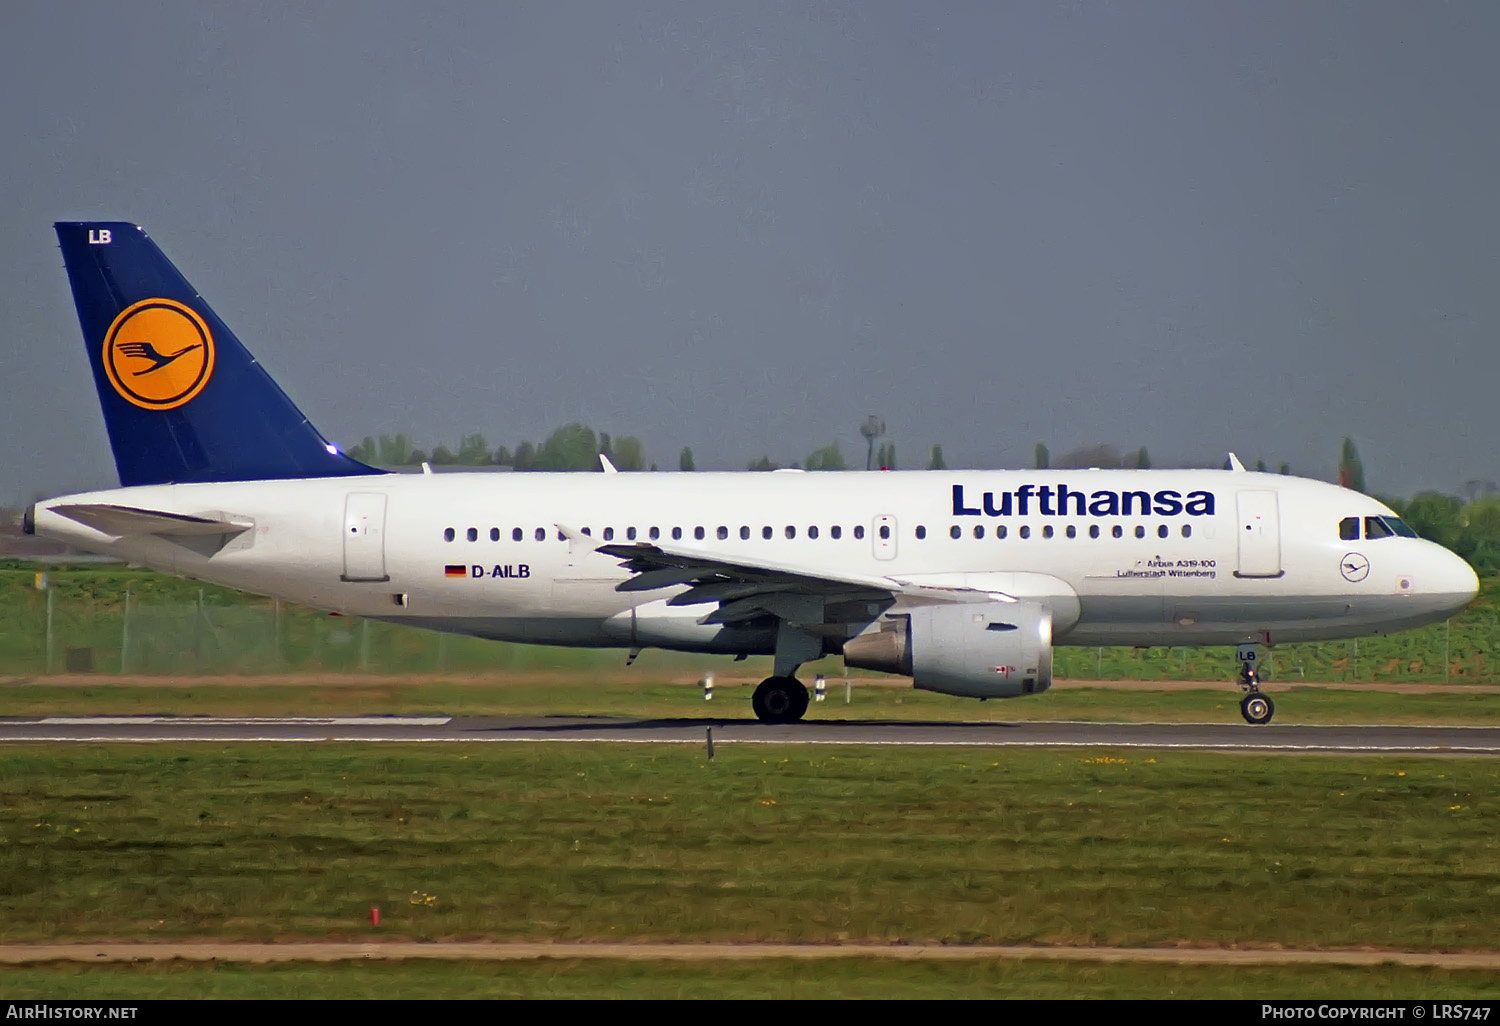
(374, 917)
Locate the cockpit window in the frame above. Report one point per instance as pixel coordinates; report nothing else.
(1349, 529)
(1399, 526)
(1375, 528)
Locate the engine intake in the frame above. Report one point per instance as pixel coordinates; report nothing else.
(974, 650)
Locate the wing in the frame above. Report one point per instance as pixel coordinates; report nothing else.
(751, 589)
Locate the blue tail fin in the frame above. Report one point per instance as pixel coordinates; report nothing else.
(183, 400)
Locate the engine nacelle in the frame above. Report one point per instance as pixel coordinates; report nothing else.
(974, 650)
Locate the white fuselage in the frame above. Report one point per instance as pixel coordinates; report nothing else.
(1122, 557)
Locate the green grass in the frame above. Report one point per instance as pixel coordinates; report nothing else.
(771, 978)
(643, 693)
(182, 627)
(619, 842)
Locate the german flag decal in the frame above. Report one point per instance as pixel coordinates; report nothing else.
(455, 570)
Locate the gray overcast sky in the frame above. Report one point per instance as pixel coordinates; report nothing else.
(745, 226)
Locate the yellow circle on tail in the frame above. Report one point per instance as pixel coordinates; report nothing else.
(158, 354)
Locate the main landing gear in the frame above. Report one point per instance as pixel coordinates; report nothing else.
(1256, 707)
(779, 700)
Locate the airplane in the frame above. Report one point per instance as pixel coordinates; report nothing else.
(962, 580)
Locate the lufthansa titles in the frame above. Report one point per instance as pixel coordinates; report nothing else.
(1062, 501)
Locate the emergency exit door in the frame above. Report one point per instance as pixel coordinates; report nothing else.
(883, 537)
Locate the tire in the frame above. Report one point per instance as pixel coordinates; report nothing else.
(1257, 708)
(800, 693)
(779, 700)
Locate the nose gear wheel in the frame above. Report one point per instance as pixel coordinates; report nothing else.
(1256, 707)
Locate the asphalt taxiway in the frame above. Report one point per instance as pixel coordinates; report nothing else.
(1237, 737)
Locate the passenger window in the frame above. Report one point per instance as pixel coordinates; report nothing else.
(1349, 529)
(1187, 530)
(1117, 532)
(1093, 530)
(654, 533)
(1046, 530)
(589, 531)
(723, 533)
(448, 534)
(812, 532)
(765, 532)
(885, 532)
(473, 533)
(517, 534)
(859, 530)
(541, 534)
(494, 534)
(698, 533)
(979, 530)
(744, 534)
(1072, 531)
(1161, 532)
(677, 534)
(609, 534)
(1140, 532)
(955, 531)
(1375, 528)
(921, 532)
(836, 532)
(1000, 532)
(790, 532)
(560, 535)
(1025, 531)
(630, 534)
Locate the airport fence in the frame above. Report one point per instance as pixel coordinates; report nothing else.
(52, 633)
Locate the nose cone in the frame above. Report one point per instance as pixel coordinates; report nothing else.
(1452, 580)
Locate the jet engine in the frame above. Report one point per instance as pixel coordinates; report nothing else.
(973, 650)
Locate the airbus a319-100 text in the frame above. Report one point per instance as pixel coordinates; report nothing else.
(963, 580)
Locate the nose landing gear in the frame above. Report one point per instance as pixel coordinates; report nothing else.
(1256, 707)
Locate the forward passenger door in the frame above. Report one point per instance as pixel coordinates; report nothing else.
(1260, 534)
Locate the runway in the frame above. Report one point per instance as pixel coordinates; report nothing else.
(1227, 737)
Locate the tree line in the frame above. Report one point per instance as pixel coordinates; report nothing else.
(571, 447)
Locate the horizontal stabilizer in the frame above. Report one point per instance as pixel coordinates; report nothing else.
(121, 521)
